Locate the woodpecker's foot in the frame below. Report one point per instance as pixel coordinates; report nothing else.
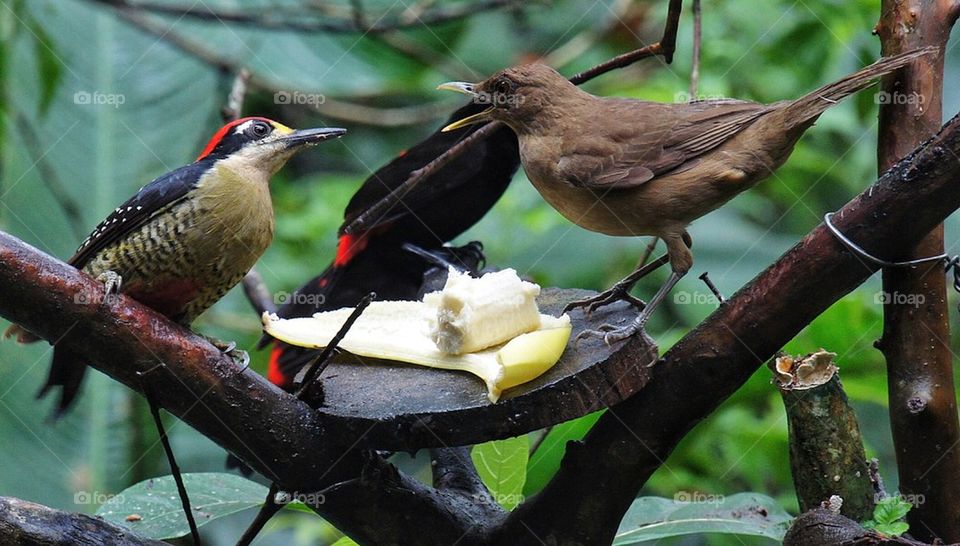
(229, 348)
(619, 292)
(112, 281)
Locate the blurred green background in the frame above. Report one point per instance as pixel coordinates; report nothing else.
(66, 164)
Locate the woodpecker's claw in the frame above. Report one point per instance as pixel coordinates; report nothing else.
(112, 281)
(229, 348)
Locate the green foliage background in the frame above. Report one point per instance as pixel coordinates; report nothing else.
(57, 155)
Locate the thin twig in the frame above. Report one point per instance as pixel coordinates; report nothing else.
(647, 252)
(48, 175)
(310, 372)
(238, 92)
(174, 468)
(255, 288)
(307, 22)
(267, 511)
(695, 68)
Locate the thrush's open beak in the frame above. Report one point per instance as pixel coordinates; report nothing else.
(460, 87)
(469, 120)
(467, 89)
(307, 137)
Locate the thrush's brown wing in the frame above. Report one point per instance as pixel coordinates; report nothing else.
(648, 139)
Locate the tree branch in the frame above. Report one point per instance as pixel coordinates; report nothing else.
(27, 523)
(606, 470)
(916, 338)
(305, 21)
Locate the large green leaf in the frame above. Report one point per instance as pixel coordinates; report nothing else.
(502, 464)
(653, 518)
(545, 461)
(119, 109)
(152, 508)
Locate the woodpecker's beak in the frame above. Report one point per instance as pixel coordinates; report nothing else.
(308, 137)
(467, 89)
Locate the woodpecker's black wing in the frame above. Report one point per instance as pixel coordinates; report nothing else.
(132, 214)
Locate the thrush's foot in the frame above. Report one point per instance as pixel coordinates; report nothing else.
(609, 333)
(619, 292)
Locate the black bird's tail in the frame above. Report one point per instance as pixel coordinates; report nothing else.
(66, 372)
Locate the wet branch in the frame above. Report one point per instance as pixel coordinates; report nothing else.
(916, 338)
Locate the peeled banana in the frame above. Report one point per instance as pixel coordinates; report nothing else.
(439, 331)
(473, 314)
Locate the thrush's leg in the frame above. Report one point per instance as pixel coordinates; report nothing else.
(681, 260)
(619, 291)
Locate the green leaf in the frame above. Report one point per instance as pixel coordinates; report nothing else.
(502, 465)
(156, 502)
(888, 515)
(890, 510)
(653, 518)
(894, 529)
(345, 541)
(546, 459)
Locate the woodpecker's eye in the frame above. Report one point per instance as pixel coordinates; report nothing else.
(261, 129)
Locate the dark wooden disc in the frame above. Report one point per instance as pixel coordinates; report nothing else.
(387, 405)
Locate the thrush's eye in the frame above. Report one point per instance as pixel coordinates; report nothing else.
(502, 87)
(261, 129)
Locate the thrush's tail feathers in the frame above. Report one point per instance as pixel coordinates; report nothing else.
(66, 372)
(808, 107)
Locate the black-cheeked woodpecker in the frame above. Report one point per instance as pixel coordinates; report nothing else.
(189, 236)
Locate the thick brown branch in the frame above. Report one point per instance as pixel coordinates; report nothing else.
(916, 333)
(31, 524)
(605, 472)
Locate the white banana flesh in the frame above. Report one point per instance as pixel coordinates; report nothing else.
(473, 314)
(405, 330)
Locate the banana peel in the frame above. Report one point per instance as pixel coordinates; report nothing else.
(400, 331)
